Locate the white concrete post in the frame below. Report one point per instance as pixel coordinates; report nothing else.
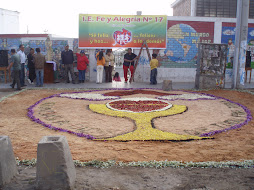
(240, 43)
(193, 7)
(55, 168)
(8, 168)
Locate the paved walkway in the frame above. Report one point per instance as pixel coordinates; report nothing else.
(5, 89)
(105, 85)
(176, 85)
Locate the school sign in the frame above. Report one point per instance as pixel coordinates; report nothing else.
(114, 31)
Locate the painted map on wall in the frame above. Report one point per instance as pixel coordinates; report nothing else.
(182, 42)
(228, 37)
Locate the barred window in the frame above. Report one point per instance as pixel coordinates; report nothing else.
(251, 12)
(220, 8)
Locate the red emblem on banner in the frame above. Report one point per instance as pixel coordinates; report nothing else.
(122, 37)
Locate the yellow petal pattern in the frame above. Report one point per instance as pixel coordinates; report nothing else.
(143, 121)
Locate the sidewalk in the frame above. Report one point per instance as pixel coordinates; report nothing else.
(176, 85)
(5, 89)
(104, 85)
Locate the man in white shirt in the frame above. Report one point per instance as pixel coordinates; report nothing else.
(22, 57)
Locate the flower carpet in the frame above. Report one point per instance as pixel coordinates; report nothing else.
(133, 124)
(65, 111)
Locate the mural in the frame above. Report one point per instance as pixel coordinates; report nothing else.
(58, 47)
(143, 60)
(35, 44)
(9, 43)
(182, 42)
(13, 43)
(228, 37)
(75, 45)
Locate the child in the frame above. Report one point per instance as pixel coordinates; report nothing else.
(116, 77)
(153, 64)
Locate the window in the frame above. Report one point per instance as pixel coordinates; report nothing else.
(251, 12)
(220, 8)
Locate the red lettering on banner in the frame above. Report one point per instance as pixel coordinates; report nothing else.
(89, 19)
(98, 18)
(116, 19)
(145, 19)
(109, 19)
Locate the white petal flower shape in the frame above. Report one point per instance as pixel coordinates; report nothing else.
(86, 96)
(187, 97)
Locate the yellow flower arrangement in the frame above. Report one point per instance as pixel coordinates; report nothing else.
(144, 129)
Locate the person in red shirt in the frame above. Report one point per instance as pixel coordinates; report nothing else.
(82, 65)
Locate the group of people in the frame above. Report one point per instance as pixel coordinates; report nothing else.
(105, 62)
(35, 64)
(129, 62)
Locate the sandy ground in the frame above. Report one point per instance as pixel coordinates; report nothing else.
(25, 134)
(131, 178)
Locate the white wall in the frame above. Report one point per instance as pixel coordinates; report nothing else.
(9, 22)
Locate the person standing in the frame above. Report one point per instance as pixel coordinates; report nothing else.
(15, 63)
(31, 68)
(109, 65)
(67, 61)
(154, 63)
(82, 65)
(22, 57)
(129, 59)
(39, 61)
(100, 65)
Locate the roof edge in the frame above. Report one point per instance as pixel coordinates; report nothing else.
(10, 10)
(176, 3)
(23, 35)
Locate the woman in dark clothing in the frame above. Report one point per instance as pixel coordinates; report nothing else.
(31, 68)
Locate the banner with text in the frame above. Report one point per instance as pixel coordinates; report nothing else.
(127, 31)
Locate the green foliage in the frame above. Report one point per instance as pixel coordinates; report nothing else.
(152, 164)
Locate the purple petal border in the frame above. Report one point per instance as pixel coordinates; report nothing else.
(30, 113)
(237, 126)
